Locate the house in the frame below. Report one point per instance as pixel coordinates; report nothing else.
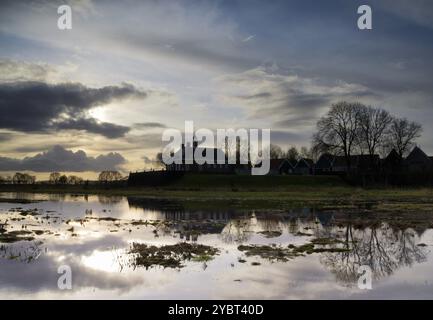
(304, 166)
(365, 162)
(392, 162)
(190, 165)
(324, 164)
(417, 161)
(328, 163)
(280, 166)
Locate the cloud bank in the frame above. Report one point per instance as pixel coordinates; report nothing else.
(60, 159)
(34, 106)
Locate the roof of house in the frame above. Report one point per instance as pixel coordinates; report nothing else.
(325, 161)
(392, 154)
(416, 156)
(392, 158)
(276, 164)
(305, 162)
(292, 163)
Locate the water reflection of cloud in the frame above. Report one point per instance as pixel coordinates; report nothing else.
(95, 254)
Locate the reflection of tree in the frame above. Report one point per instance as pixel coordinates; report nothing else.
(379, 247)
(270, 223)
(27, 252)
(238, 230)
(56, 197)
(108, 200)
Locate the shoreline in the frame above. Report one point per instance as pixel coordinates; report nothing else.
(327, 197)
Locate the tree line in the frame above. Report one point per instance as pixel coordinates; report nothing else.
(58, 178)
(18, 178)
(354, 128)
(293, 154)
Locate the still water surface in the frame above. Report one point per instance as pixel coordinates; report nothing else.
(94, 234)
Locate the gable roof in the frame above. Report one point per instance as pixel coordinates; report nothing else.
(276, 164)
(292, 163)
(392, 154)
(417, 156)
(305, 162)
(392, 158)
(325, 161)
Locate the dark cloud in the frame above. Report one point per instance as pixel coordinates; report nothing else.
(37, 147)
(106, 129)
(42, 107)
(257, 96)
(149, 125)
(60, 159)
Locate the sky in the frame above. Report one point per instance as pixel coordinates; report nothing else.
(99, 96)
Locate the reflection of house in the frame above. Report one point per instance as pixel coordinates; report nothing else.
(304, 166)
(189, 164)
(280, 166)
(325, 218)
(418, 161)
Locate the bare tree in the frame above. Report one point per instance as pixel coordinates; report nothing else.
(6, 179)
(54, 177)
(338, 130)
(74, 180)
(109, 176)
(276, 152)
(23, 178)
(373, 124)
(305, 153)
(292, 154)
(63, 179)
(402, 135)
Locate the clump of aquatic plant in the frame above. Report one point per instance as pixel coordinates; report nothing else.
(280, 253)
(170, 256)
(272, 253)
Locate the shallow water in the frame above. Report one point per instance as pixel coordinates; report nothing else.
(78, 231)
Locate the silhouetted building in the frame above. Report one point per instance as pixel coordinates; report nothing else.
(189, 164)
(280, 167)
(324, 164)
(392, 163)
(304, 166)
(328, 164)
(417, 161)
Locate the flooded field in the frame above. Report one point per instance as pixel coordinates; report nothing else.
(136, 248)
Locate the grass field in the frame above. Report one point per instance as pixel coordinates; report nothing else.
(257, 192)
